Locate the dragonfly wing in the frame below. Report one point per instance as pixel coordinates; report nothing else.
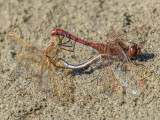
(105, 78)
(124, 71)
(125, 74)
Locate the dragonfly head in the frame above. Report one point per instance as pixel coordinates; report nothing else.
(134, 50)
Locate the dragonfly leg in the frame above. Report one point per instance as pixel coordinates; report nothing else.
(70, 50)
(69, 46)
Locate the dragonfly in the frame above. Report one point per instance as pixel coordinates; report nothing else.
(116, 55)
(50, 55)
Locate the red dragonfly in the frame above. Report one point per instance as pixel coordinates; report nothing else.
(115, 53)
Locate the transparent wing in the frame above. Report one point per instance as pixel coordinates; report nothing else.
(125, 72)
(106, 77)
(126, 75)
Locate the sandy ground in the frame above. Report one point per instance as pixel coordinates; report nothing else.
(22, 98)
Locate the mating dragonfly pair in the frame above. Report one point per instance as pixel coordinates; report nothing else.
(115, 55)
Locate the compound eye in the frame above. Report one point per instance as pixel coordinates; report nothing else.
(134, 50)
